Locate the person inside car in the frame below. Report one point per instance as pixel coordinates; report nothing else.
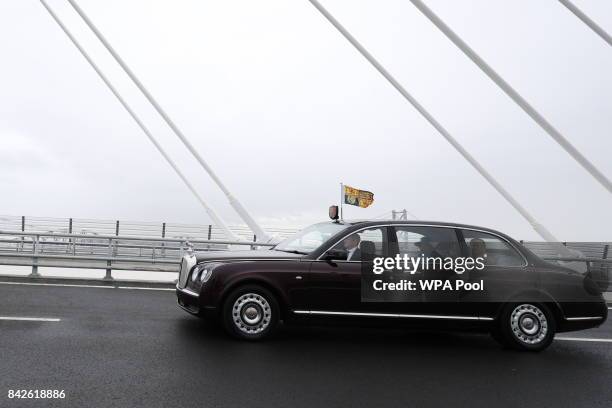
(427, 249)
(478, 248)
(351, 244)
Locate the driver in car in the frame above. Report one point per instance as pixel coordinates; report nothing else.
(351, 244)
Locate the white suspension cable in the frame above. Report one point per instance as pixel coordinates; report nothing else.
(516, 97)
(215, 218)
(539, 228)
(588, 21)
(244, 214)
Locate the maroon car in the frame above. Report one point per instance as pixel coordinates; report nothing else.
(323, 274)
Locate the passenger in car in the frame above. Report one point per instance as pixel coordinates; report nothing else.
(478, 249)
(427, 249)
(351, 244)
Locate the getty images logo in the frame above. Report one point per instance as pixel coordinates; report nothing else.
(411, 264)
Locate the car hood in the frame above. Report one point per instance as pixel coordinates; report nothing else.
(245, 255)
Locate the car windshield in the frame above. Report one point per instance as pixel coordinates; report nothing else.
(309, 239)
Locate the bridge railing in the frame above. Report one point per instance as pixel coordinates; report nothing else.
(594, 258)
(109, 252)
(157, 254)
(131, 228)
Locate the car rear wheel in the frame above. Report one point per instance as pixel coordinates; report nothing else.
(526, 326)
(250, 312)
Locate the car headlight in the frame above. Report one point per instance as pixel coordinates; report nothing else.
(194, 274)
(205, 274)
(202, 274)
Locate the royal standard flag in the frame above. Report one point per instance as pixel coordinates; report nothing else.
(360, 198)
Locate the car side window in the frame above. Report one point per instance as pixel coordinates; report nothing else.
(428, 241)
(496, 251)
(368, 242)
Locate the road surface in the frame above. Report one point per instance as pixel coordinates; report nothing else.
(108, 347)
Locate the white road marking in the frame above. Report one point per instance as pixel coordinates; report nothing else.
(139, 288)
(584, 339)
(31, 319)
(56, 284)
(84, 286)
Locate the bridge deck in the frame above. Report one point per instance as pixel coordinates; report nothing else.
(134, 347)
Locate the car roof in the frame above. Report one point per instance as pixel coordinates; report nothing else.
(365, 223)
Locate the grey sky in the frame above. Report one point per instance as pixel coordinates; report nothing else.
(283, 108)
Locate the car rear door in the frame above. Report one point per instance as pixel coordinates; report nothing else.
(425, 242)
(506, 272)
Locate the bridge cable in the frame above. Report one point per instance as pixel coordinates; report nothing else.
(539, 228)
(516, 97)
(238, 207)
(216, 219)
(588, 21)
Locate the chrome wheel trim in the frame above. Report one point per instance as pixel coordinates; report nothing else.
(251, 313)
(529, 324)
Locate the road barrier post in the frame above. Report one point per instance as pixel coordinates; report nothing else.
(109, 274)
(163, 244)
(34, 273)
(605, 268)
(209, 236)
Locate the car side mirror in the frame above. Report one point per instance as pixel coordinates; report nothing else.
(335, 254)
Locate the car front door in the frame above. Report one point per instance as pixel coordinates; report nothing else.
(335, 285)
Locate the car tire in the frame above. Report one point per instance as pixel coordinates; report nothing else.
(250, 312)
(526, 326)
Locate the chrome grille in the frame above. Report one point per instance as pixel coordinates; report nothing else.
(187, 263)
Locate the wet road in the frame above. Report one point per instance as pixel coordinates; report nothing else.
(111, 347)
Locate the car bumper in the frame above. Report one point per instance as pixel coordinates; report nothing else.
(594, 315)
(188, 300)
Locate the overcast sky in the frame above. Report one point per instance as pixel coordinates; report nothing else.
(284, 109)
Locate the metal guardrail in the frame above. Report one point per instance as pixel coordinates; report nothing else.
(600, 270)
(104, 251)
(130, 228)
(595, 258)
(586, 260)
(599, 250)
(112, 244)
(158, 247)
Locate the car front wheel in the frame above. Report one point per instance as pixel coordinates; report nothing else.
(526, 326)
(250, 312)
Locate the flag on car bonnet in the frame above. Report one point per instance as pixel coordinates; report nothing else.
(360, 198)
